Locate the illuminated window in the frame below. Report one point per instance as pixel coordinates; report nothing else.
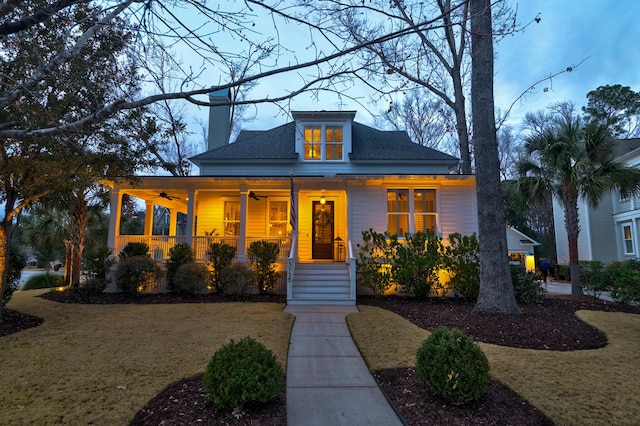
(416, 204)
(424, 209)
(323, 143)
(231, 220)
(312, 143)
(398, 211)
(627, 238)
(278, 211)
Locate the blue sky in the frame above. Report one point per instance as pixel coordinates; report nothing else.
(603, 36)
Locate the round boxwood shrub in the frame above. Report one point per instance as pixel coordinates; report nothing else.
(243, 374)
(190, 278)
(134, 249)
(452, 366)
(137, 274)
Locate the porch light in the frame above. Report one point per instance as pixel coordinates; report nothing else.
(323, 200)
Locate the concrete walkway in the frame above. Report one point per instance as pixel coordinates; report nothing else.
(328, 382)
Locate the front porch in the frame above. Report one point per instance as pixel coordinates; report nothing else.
(237, 214)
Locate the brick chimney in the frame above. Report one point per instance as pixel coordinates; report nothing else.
(219, 118)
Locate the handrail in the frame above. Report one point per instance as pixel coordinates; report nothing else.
(351, 261)
(291, 264)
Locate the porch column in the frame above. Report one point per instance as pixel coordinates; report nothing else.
(242, 238)
(148, 218)
(115, 210)
(191, 216)
(173, 222)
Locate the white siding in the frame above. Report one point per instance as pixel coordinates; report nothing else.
(457, 210)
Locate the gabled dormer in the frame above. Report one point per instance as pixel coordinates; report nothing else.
(323, 136)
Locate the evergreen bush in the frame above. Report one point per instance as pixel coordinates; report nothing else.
(452, 366)
(15, 265)
(375, 258)
(237, 278)
(137, 274)
(243, 374)
(526, 287)
(43, 281)
(462, 260)
(220, 256)
(96, 265)
(263, 254)
(593, 277)
(134, 250)
(624, 280)
(417, 263)
(179, 255)
(190, 278)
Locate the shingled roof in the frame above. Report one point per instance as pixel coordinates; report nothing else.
(368, 144)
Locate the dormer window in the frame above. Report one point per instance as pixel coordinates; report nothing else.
(323, 142)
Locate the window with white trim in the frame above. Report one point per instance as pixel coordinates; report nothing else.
(627, 239)
(231, 220)
(411, 211)
(424, 208)
(278, 211)
(323, 142)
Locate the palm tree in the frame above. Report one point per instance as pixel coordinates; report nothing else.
(571, 160)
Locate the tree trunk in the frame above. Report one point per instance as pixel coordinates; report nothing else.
(496, 288)
(79, 221)
(572, 226)
(4, 259)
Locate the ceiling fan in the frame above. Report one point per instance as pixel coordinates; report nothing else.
(163, 194)
(256, 197)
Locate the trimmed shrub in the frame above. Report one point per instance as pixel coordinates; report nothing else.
(593, 277)
(417, 262)
(96, 264)
(237, 278)
(190, 278)
(243, 374)
(375, 257)
(15, 265)
(134, 250)
(452, 366)
(179, 255)
(263, 255)
(526, 287)
(137, 274)
(462, 259)
(220, 256)
(43, 281)
(624, 280)
(562, 272)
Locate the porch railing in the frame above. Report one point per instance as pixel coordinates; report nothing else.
(159, 245)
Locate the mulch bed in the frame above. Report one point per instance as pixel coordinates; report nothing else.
(552, 325)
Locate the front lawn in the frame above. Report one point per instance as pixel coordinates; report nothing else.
(100, 364)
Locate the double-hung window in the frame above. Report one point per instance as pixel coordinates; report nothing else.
(398, 212)
(424, 210)
(231, 220)
(323, 142)
(627, 239)
(411, 211)
(278, 218)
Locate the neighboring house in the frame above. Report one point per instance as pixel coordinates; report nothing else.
(611, 231)
(345, 177)
(521, 249)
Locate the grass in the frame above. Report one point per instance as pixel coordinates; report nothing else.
(44, 280)
(100, 364)
(594, 387)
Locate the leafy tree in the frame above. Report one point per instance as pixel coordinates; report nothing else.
(496, 289)
(572, 160)
(617, 107)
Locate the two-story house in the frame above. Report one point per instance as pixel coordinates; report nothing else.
(345, 177)
(611, 231)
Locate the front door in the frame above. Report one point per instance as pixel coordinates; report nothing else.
(322, 245)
